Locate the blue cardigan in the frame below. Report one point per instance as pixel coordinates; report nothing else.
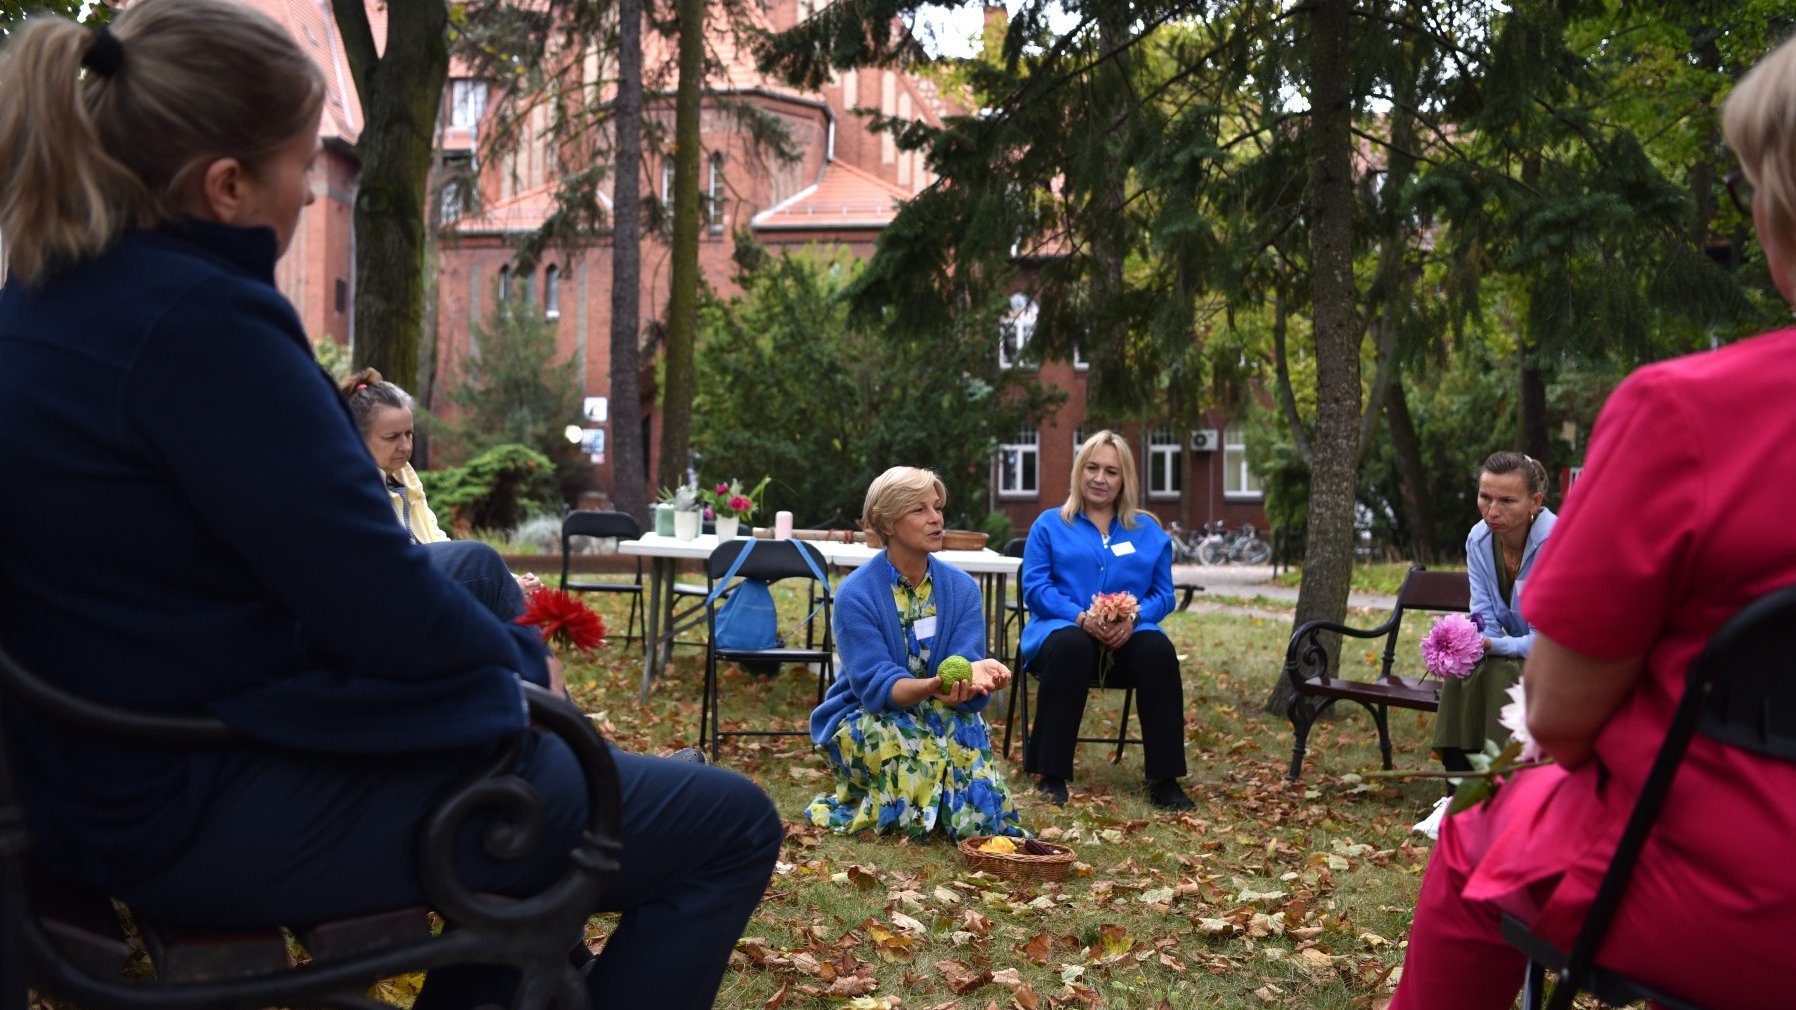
(189, 524)
(872, 645)
(1504, 625)
(1065, 565)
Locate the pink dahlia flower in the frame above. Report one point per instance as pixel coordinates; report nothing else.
(1452, 647)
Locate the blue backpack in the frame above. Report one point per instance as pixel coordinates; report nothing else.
(748, 619)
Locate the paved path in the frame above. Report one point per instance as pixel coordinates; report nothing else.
(1248, 581)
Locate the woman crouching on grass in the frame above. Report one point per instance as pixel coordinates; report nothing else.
(900, 726)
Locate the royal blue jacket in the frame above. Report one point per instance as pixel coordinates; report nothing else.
(1066, 564)
(1508, 631)
(873, 647)
(188, 525)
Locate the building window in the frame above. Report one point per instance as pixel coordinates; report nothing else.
(667, 173)
(1018, 472)
(714, 195)
(1165, 463)
(552, 293)
(1237, 480)
(505, 283)
(467, 102)
(1014, 331)
(342, 296)
(530, 288)
(1078, 438)
(457, 200)
(1079, 362)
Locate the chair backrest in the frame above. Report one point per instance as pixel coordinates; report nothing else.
(771, 560)
(1738, 691)
(1750, 696)
(596, 523)
(590, 523)
(1013, 548)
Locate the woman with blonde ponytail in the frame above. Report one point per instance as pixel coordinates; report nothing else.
(189, 525)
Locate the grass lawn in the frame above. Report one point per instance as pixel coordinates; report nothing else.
(1268, 894)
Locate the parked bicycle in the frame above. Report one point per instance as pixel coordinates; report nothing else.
(1221, 545)
(1184, 543)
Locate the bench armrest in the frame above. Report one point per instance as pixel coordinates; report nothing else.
(1307, 657)
(519, 828)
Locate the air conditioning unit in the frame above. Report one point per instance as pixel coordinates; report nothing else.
(1205, 440)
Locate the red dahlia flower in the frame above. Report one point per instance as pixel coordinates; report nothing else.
(563, 619)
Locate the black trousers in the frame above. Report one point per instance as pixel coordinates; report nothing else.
(1067, 669)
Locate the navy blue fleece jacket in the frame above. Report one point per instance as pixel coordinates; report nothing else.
(187, 524)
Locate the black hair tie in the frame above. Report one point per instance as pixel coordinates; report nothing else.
(106, 54)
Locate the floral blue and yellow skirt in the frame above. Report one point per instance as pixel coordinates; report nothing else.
(915, 771)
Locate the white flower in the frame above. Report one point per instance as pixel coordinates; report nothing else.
(1514, 718)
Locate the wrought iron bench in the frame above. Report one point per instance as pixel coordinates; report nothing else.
(1316, 683)
(69, 943)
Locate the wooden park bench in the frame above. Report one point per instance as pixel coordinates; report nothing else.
(69, 942)
(1315, 686)
(1187, 588)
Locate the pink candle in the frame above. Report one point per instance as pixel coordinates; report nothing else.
(782, 525)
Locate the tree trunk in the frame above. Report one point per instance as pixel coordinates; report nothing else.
(628, 487)
(1412, 478)
(1281, 364)
(400, 91)
(682, 301)
(1328, 552)
(1535, 440)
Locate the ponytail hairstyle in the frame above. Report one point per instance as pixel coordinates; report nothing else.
(109, 128)
(365, 392)
(1508, 461)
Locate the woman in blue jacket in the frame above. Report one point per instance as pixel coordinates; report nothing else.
(910, 753)
(1100, 542)
(158, 398)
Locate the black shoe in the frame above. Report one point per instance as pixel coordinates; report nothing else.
(691, 754)
(1052, 789)
(1167, 795)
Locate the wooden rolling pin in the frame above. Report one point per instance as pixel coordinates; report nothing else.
(953, 540)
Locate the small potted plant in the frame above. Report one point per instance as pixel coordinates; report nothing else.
(731, 505)
(678, 512)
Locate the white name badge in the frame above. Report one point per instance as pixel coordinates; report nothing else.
(924, 629)
(1122, 548)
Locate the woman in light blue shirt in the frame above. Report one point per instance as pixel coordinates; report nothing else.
(1500, 552)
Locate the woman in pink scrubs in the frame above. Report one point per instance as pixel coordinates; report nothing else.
(1681, 519)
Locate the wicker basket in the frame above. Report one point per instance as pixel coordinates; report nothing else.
(1017, 865)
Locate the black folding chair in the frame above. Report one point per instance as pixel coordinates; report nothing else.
(66, 941)
(1013, 614)
(604, 525)
(1017, 711)
(770, 561)
(1739, 692)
